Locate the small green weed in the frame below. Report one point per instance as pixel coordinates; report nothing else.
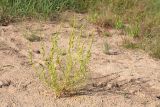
(106, 34)
(119, 24)
(32, 36)
(106, 48)
(65, 71)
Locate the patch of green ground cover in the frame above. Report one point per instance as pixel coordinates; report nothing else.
(138, 18)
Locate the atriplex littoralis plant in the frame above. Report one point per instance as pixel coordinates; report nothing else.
(65, 73)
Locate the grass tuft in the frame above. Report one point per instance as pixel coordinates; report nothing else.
(106, 48)
(65, 71)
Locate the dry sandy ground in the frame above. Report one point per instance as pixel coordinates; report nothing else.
(130, 78)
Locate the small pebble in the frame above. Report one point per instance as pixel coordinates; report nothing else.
(113, 52)
(37, 51)
(1, 84)
(109, 85)
(158, 97)
(5, 83)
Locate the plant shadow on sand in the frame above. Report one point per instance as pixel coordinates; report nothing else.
(112, 84)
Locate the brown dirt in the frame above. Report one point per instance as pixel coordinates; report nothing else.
(130, 78)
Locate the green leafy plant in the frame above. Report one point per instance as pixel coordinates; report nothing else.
(65, 73)
(119, 24)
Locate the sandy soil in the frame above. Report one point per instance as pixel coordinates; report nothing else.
(129, 78)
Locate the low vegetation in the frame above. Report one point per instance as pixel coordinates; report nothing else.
(130, 44)
(139, 19)
(41, 9)
(106, 48)
(65, 72)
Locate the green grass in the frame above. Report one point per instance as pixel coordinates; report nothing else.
(130, 44)
(152, 46)
(119, 24)
(106, 48)
(14, 9)
(142, 18)
(65, 71)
